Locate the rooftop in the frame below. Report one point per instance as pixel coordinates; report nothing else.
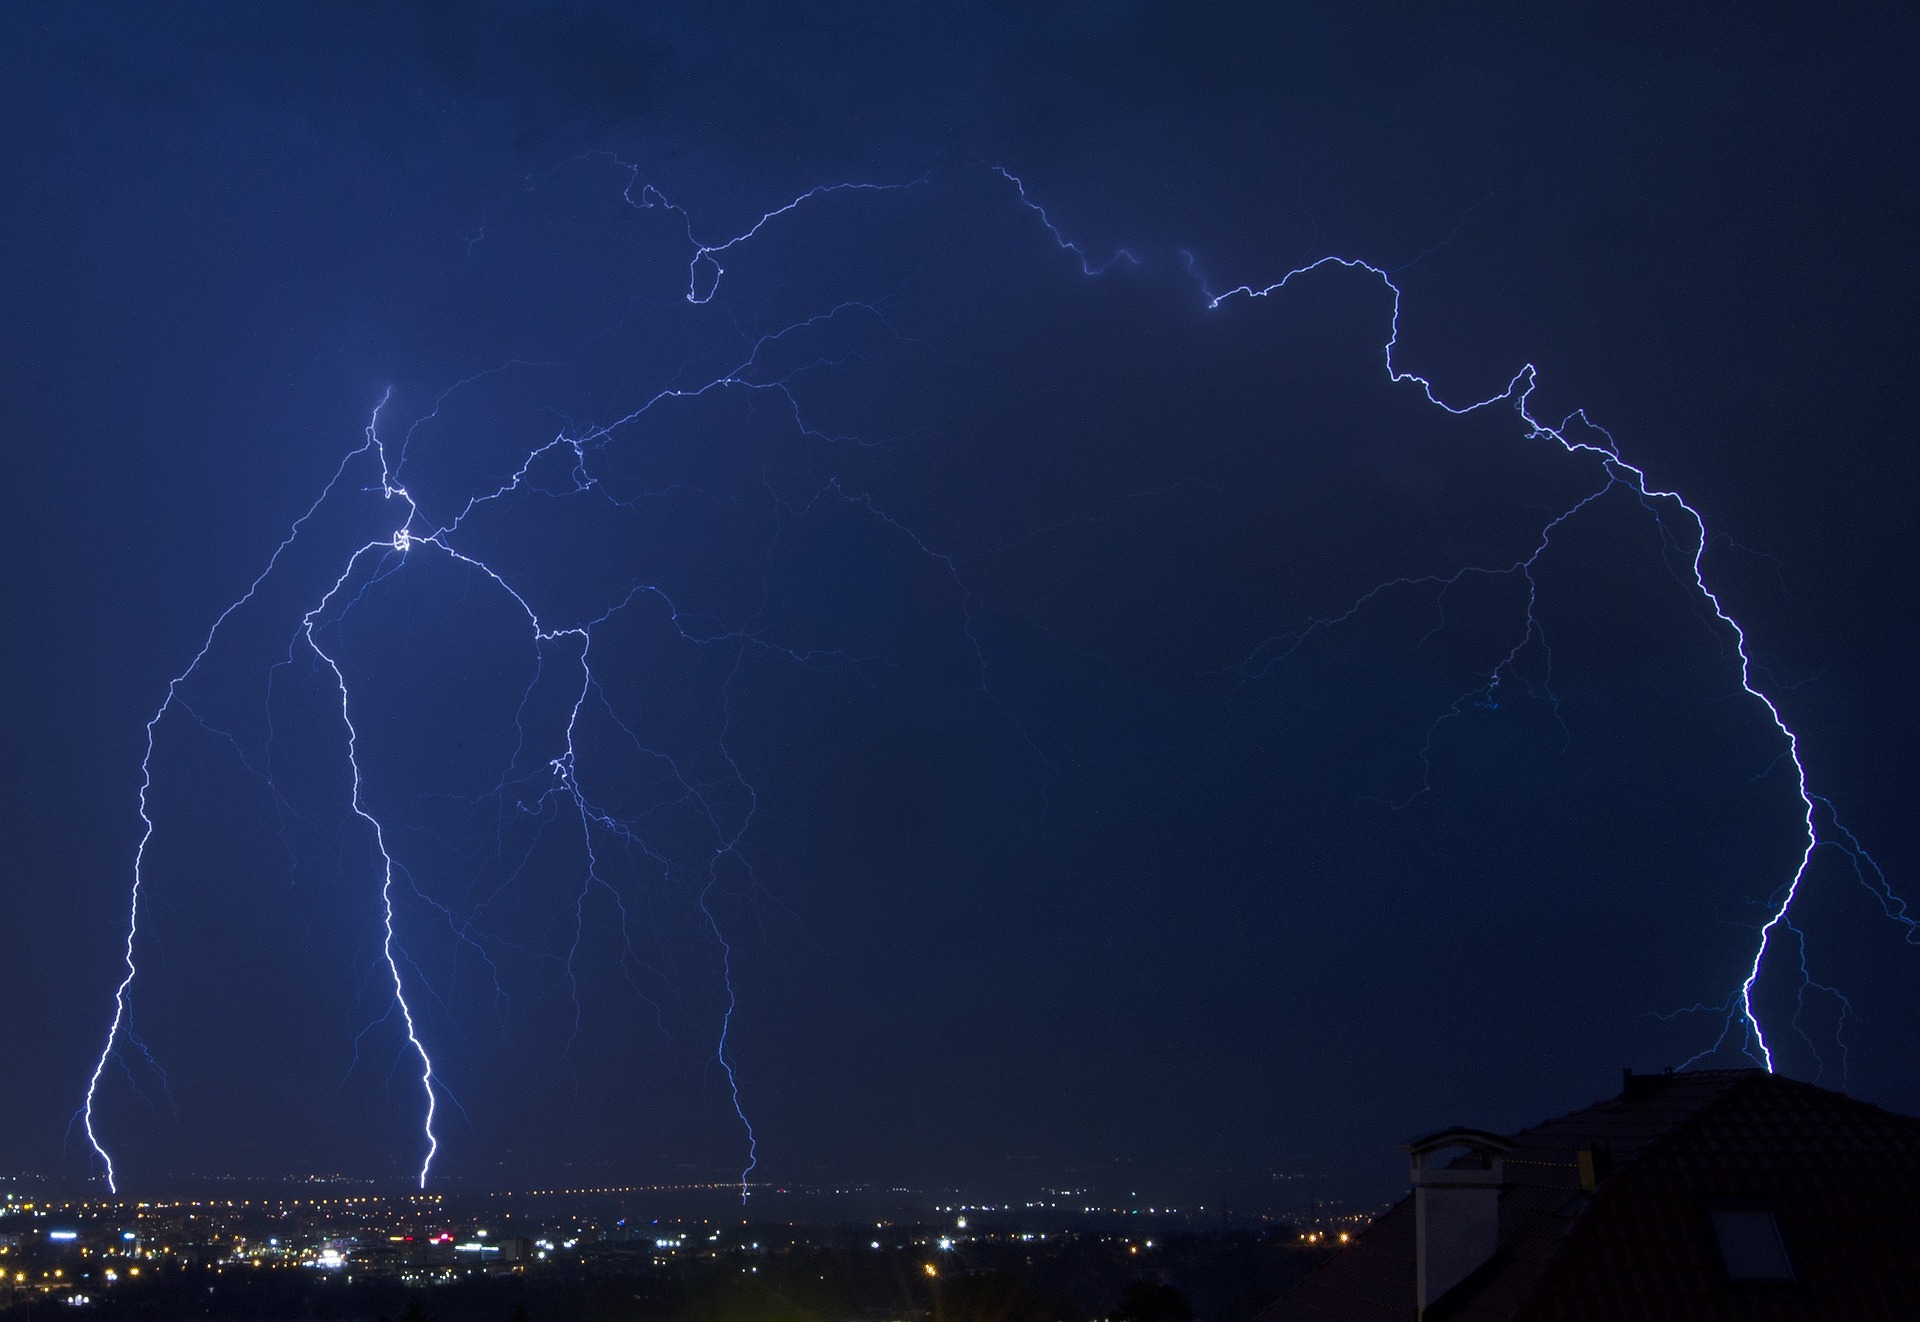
(1609, 1212)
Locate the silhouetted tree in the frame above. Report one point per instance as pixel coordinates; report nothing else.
(519, 1314)
(416, 1311)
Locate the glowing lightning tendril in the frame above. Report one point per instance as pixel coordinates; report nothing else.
(704, 275)
(1739, 1008)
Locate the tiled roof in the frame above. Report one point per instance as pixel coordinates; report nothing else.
(1844, 1177)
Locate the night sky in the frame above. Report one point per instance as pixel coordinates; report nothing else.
(954, 677)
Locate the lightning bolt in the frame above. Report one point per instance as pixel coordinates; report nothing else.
(1593, 442)
(1681, 525)
(401, 545)
(118, 1027)
(1742, 1020)
(415, 536)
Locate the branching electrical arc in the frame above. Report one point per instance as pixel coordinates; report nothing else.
(376, 466)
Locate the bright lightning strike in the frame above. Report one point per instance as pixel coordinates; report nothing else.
(1741, 1017)
(569, 644)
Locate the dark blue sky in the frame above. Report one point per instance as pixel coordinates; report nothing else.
(1043, 872)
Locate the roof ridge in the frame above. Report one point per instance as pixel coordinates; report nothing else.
(1735, 1087)
(1726, 1085)
(1723, 1083)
